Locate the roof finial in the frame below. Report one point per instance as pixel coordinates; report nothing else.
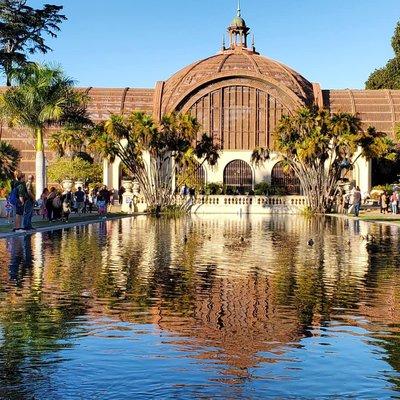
(238, 9)
(223, 42)
(253, 44)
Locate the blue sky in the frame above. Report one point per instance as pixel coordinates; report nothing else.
(135, 43)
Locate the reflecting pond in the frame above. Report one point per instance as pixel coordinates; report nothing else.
(210, 307)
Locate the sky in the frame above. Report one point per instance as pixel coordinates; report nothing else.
(132, 43)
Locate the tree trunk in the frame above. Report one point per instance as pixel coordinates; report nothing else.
(40, 164)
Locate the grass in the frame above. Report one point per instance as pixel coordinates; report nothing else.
(380, 218)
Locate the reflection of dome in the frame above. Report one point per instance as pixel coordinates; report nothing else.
(235, 63)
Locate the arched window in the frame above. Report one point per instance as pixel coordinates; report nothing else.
(238, 176)
(284, 180)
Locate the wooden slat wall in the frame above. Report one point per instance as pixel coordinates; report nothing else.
(239, 117)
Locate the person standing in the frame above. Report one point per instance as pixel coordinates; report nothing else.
(103, 196)
(49, 203)
(57, 207)
(29, 204)
(101, 204)
(121, 191)
(394, 199)
(357, 201)
(346, 202)
(384, 202)
(17, 189)
(80, 200)
(66, 200)
(43, 199)
(9, 211)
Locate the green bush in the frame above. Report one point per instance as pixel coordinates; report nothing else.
(213, 188)
(74, 169)
(262, 189)
(387, 187)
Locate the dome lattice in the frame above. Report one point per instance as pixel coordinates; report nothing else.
(234, 63)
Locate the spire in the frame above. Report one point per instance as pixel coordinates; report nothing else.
(238, 31)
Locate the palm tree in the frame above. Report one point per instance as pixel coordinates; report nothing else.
(9, 157)
(317, 146)
(42, 97)
(152, 152)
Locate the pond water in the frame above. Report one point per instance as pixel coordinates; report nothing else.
(211, 307)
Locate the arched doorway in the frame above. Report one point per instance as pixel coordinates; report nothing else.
(284, 181)
(238, 176)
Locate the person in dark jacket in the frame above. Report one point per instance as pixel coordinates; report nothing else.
(66, 200)
(49, 203)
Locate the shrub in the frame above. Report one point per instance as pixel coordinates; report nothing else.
(213, 188)
(381, 188)
(262, 189)
(74, 169)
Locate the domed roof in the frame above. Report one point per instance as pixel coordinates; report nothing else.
(235, 63)
(238, 22)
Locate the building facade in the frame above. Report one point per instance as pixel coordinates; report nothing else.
(238, 97)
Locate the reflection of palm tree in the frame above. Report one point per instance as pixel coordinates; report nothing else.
(32, 326)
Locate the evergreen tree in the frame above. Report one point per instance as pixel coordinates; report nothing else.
(388, 77)
(21, 32)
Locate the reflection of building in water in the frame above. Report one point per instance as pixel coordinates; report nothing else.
(236, 286)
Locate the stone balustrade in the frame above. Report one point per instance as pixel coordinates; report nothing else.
(225, 204)
(248, 204)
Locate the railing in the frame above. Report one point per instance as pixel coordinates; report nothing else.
(251, 200)
(231, 204)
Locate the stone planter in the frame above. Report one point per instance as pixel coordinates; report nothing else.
(135, 188)
(128, 186)
(79, 184)
(67, 184)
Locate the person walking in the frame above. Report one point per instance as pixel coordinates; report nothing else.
(357, 201)
(111, 200)
(29, 204)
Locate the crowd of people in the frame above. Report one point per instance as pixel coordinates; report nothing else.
(53, 204)
(389, 203)
(349, 202)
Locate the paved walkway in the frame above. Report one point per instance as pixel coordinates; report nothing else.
(41, 225)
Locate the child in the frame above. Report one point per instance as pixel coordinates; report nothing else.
(9, 211)
(101, 205)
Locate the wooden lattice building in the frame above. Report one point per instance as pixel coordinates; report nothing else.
(238, 96)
